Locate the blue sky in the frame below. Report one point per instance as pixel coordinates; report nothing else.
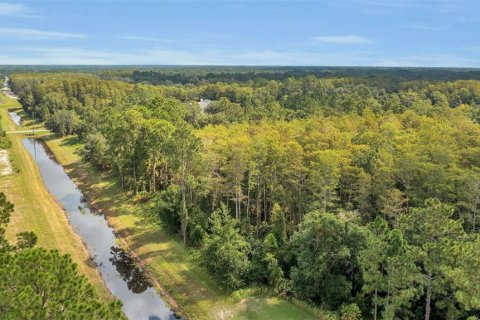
(264, 32)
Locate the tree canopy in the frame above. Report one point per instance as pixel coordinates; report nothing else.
(356, 194)
(36, 283)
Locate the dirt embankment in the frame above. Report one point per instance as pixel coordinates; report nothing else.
(5, 165)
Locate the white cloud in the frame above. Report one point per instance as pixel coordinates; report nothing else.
(86, 56)
(395, 4)
(12, 8)
(34, 34)
(428, 27)
(347, 39)
(74, 55)
(143, 38)
(16, 10)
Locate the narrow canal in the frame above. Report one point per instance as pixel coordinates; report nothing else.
(15, 118)
(123, 277)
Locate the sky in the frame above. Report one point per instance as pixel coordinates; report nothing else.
(428, 33)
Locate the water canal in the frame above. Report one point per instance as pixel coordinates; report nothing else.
(124, 279)
(15, 118)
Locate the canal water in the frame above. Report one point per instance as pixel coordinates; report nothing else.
(15, 118)
(123, 277)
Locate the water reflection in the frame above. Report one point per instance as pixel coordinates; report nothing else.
(131, 273)
(15, 118)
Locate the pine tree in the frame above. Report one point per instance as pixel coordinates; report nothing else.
(43, 284)
(225, 254)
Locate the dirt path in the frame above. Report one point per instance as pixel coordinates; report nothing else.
(5, 165)
(27, 131)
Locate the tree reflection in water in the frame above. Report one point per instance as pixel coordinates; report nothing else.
(131, 273)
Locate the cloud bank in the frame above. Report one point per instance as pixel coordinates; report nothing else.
(346, 39)
(35, 34)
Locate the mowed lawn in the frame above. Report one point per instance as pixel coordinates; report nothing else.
(173, 267)
(36, 210)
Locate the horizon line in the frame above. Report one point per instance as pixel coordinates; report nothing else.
(237, 66)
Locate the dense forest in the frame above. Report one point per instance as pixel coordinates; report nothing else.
(211, 74)
(355, 194)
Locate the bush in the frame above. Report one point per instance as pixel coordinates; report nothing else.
(5, 143)
(350, 312)
(166, 206)
(197, 226)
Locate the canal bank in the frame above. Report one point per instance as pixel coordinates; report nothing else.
(36, 210)
(124, 279)
(28, 191)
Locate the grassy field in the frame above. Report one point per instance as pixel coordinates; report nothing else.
(36, 210)
(167, 260)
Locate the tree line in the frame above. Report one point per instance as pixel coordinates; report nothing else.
(340, 192)
(213, 74)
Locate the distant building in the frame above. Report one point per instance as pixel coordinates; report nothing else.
(203, 103)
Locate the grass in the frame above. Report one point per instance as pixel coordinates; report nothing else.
(36, 210)
(266, 308)
(173, 267)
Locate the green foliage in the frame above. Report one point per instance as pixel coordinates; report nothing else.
(226, 253)
(39, 284)
(324, 238)
(265, 265)
(5, 143)
(198, 226)
(95, 150)
(324, 178)
(64, 122)
(350, 312)
(389, 272)
(461, 273)
(434, 234)
(279, 225)
(6, 209)
(184, 147)
(166, 206)
(25, 239)
(273, 271)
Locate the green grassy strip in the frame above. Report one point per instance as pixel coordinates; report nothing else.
(37, 211)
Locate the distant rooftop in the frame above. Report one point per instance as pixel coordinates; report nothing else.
(203, 103)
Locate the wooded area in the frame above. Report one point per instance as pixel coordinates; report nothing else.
(355, 194)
